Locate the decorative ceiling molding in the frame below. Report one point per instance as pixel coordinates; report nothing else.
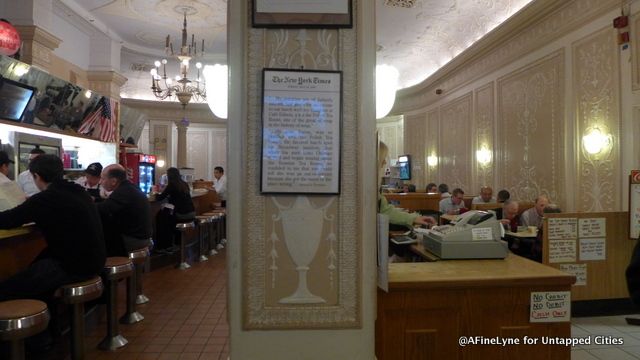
(172, 111)
(535, 26)
(400, 3)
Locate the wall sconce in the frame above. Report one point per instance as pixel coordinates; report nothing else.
(483, 156)
(432, 160)
(160, 163)
(595, 141)
(386, 86)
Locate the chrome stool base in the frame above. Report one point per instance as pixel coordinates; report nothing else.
(141, 299)
(203, 258)
(113, 343)
(213, 252)
(183, 266)
(131, 318)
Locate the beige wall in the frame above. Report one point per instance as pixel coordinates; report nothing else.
(342, 327)
(69, 72)
(531, 103)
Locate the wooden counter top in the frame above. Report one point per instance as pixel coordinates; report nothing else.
(512, 271)
(25, 229)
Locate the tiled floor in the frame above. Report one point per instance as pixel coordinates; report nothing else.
(185, 319)
(602, 329)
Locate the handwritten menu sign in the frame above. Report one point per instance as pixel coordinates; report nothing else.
(592, 227)
(563, 228)
(550, 306)
(482, 233)
(593, 249)
(562, 251)
(577, 270)
(301, 115)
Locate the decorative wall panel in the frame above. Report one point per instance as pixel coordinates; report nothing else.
(455, 143)
(432, 147)
(483, 138)
(531, 130)
(635, 51)
(595, 65)
(414, 145)
(391, 133)
(198, 159)
(300, 254)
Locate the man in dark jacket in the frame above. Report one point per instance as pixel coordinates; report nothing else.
(126, 213)
(70, 224)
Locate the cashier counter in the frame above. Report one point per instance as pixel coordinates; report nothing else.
(473, 235)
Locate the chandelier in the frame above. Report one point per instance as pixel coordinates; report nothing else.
(182, 87)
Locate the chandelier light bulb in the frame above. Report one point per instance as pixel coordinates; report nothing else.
(177, 77)
(164, 61)
(154, 72)
(169, 81)
(185, 62)
(198, 65)
(87, 94)
(156, 63)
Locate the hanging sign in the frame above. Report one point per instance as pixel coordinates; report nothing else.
(9, 39)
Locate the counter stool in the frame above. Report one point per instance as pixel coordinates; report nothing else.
(76, 294)
(203, 235)
(116, 268)
(218, 220)
(134, 286)
(139, 258)
(183, 228)
(20, 319)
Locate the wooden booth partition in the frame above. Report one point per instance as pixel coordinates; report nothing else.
(595, 247)
(415, 201)
(18, 248)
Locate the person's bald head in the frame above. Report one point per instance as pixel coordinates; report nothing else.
(541, 202)
(112, 176)
(486, 193)
(509, 209)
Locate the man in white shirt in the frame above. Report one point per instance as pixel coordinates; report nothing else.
(10, 193)
(25, 179)
(533, 216)
(220, 183)
(453, 204)
(485, 197)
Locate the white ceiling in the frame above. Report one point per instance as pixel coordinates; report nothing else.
(417, 40)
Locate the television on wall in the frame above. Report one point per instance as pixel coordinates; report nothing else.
(14, 99)
(404, 167)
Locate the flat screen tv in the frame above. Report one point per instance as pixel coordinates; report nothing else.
(14, 99)
(404, 165)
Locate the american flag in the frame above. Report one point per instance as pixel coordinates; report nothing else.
(101, 123)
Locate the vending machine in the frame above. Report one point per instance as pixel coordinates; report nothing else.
(141, 170)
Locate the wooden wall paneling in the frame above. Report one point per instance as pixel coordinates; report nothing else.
(605, 278)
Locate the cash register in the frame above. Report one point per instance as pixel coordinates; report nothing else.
(473, 235)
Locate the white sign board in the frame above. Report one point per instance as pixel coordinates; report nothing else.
(562, 251)
(482, 233)
(550, 306)
(593, 249)
(592, 227)
(577, 270)
(563, 228)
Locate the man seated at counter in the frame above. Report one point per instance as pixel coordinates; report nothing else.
(453, 204)
(508, 215)
(70, 224)
(503, 195)
(443, 189)
(25, 179)
(91, 182)
(533, 216)
(432, 188)
(126, 213)
(485, 197)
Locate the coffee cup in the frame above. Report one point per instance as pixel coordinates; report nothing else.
(533, 229)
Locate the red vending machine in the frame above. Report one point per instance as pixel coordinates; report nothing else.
(141, 170)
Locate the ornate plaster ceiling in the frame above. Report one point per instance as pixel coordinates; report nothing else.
(416, 36)
(420, 39)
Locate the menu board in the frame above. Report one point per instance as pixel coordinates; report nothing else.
(562, 251)
(592, 227)
(578, 270)
(301, 118)
(593, 249)
(563, 228)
